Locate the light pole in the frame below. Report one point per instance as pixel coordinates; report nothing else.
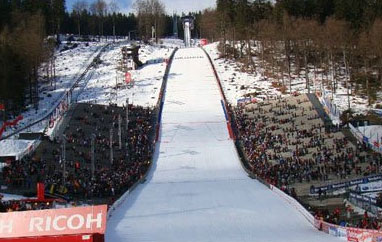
(63, 154)
(127, 115)
(93, 155)
(111, 144)
(120, 131)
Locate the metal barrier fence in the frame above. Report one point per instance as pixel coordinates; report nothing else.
(365, 202)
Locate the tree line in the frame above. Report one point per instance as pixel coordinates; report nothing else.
(30, 30)
(335, 40)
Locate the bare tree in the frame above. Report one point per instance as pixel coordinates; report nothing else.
(150, 15)
(99, 8)
(209, 24)
(27, 40)
(79, 7)
(113, 6)
(376, 43)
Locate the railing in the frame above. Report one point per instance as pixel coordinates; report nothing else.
(367, 203)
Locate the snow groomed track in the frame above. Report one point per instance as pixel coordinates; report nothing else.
(197, 189)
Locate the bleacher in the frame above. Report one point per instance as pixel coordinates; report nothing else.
(111, 177)
(286, 141)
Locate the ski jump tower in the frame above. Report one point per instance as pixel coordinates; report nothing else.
(188, 25)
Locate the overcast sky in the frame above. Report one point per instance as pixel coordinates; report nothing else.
(172, 6)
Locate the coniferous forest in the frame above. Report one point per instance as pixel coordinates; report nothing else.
(336, 36)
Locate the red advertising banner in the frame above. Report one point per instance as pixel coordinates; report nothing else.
(354, 235)
(203, 42)
(51, 222)
(127, 77)
(359, 235)
(10, 123)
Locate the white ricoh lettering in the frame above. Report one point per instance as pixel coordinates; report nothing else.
(55, 223)
(48, 223)
(80, 223)
(6, 226)
(36, 224)
(60, 223)
(97, 220)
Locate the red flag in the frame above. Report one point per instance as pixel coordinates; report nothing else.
(127, 77)
(2, 107)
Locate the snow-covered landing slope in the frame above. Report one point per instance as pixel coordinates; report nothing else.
(197, 190)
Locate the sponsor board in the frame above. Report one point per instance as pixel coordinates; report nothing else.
(51, 222)
(359, 235)
(341, 232)
(346, 184)
(333, 231)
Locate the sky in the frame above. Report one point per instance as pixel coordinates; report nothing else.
(177, 6)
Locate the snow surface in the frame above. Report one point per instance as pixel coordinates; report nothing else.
(147, 80)
(197, 189)
(10, 147)
(9, 197)
(237, 83)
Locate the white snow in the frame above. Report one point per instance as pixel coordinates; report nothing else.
(11, 147)
(9, 197)
(101, 87)
(238, 83)
(197, 189)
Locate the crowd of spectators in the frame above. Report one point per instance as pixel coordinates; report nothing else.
(344, 218)
(17, 206)
(286, 141)
(111, 176)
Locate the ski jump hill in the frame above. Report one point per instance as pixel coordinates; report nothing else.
(197, 189)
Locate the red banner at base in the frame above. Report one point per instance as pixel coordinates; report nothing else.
(54, 222)
(66, 238)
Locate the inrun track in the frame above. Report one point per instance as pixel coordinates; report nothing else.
(197, 189)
